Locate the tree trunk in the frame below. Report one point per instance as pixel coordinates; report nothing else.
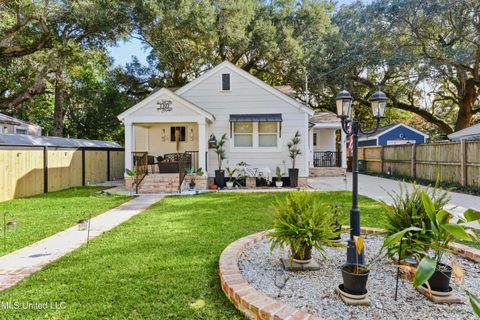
(58, 114)
(465, 108)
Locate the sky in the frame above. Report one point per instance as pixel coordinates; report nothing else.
(123, 52)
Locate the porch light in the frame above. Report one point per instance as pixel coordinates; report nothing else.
(344, 105)
(212, 142)
(82, 224)
(379, 102)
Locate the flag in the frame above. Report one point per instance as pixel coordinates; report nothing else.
(350, 138)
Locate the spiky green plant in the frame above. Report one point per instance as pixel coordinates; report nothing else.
(293, 148)
(406, 211)
(302, 221)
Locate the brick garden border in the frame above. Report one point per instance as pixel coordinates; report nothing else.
(254, 304)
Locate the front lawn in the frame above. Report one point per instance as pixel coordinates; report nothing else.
(161, 264)
(43, 215)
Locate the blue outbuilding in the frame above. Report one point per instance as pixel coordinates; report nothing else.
(393, 134)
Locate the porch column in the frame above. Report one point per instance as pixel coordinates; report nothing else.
(344, 149)
(202, 145)
(129, 141)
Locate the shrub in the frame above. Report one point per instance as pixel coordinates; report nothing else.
(301, 221)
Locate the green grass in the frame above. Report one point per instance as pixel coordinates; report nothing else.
(160, 263)
(43, 215)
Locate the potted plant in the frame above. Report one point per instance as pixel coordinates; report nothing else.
(193, 174)
(231, 178)
(443, 229)
(219, 149)
(407, 210)
(355, 276)
(293, 152)
(131, 174)
(278, 174)
(302, 223)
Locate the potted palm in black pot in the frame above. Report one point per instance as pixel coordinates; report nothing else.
(302, 223)
(219, 149)
(432, 272)
(294, 151)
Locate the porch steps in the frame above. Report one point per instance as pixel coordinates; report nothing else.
(327, 171)
(160, 183)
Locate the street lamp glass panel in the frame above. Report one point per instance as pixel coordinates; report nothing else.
(379, 103)
(344, 104)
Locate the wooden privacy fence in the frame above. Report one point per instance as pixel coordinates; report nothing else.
(28, 170)
(456, 162)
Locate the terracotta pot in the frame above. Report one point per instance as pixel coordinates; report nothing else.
(212, 187)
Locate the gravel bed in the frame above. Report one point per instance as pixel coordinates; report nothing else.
(313, 291)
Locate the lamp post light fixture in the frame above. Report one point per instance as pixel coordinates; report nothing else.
(352, 128)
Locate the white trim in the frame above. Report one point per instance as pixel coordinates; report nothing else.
(249, 77)
(373, 136)
(327, 125)
(165, 91)
(163, 119)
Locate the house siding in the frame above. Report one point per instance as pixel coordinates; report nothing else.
(246, 97)
(367, 143)
(395, 135)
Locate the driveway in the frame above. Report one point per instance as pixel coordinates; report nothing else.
(378, 188)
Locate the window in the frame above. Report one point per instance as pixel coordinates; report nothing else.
(174, 131)
(314, 139)
(21, 131)
(225, 82)
(267, 134)
(243, 134)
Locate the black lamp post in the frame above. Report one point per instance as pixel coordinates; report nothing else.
(352, 127)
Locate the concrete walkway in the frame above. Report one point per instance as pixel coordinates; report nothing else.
(23, 262)
(378, 188)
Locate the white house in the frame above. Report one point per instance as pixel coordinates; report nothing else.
(470, 133)
(258, 120)
(11, 125)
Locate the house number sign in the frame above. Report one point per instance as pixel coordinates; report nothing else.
(164, 106)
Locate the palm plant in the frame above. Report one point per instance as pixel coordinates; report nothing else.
(293, 148)
(442, 230)
(406, 211)
(220, 150)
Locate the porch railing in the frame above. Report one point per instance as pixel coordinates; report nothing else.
(140, 164)
(327, 159)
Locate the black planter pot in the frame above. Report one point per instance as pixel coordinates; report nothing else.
(220, 178)
(306, 257)
(354, 283)
(293, 175)
(440, 280)
(192, 185)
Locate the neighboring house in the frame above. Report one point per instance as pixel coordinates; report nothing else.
(393, 134)
(258, 120)
(470, 133)
(11, 125)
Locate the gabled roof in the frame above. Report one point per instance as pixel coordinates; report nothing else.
(14, 121)
(173, 96)
(385, 129)
(324, 117)
(249, 77)
(467, 133)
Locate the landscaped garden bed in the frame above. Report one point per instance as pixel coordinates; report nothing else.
(40, 216)
(313, 291)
